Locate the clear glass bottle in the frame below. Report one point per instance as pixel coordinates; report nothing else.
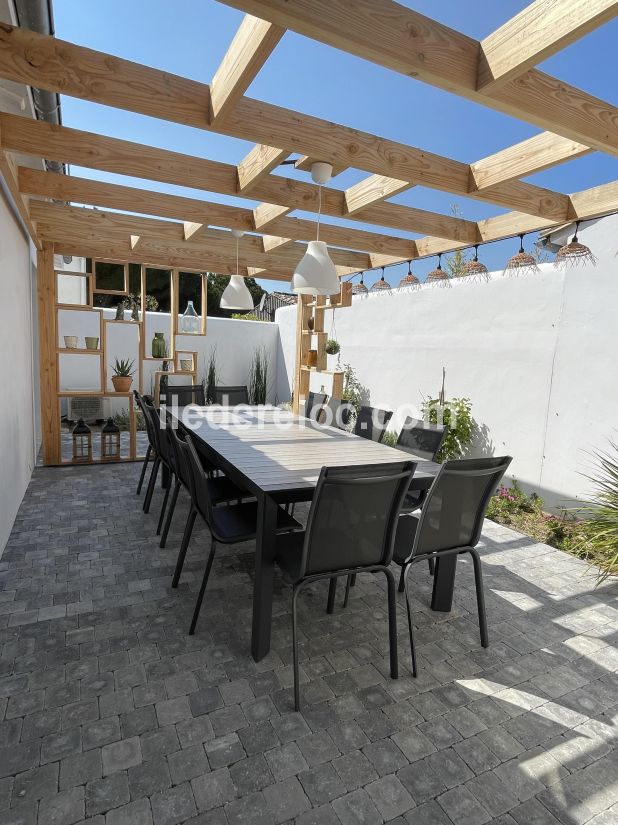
(190, 321)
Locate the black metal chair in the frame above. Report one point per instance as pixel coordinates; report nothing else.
(228, 525)
(336, 413)
(181, 395)
(351, 529)
(231, 396)
(140, 400)
(372, 422)
(422, 438)
(450, 523)
(162, 458)
(313, 404)
(221, 489)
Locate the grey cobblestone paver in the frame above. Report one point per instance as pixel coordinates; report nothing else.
(110, 714)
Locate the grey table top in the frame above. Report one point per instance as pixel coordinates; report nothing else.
(279, 452)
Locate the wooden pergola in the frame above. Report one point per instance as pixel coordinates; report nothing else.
(498, 72)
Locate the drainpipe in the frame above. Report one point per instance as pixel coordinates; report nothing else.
(37, 16)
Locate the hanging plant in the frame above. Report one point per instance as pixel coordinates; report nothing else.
(332, 347)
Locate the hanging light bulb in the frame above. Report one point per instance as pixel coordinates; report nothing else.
(236, 294)
(315, 273)
(438, 275)
(410, 281)
(360, 288)
(381, 285)
(475, 269)
(522, 263)
(574, 253)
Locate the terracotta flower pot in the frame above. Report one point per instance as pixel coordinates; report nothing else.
(122, 383)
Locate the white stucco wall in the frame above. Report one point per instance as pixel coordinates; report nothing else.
(535, 354)
(17, 422)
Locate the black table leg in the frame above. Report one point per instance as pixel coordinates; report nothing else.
(165, 475)
(444, 583)
(263, 579)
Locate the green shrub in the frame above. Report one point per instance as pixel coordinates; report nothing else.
(456, 414)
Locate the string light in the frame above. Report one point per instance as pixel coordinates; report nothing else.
(475, 269)
(381, 285)
(522, 263)
(360, 288)
(410, 281)
(574, 253)
(438, 275)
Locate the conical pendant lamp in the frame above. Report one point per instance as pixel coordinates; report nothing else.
(574, 253)
(316, 273)
(236, 294)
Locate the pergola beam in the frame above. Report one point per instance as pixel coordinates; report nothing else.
(196, 214)
(372, 190)
(93, 223)
(42, 61)
(533, 35)
(526, 158)
(251, 47)
(260, 161)
(123, 157)
(8, 170)
(405, 41)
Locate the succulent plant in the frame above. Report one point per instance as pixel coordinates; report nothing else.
(123, 367)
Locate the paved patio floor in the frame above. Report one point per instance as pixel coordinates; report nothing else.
(113, 714)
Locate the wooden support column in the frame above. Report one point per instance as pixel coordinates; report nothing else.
(301, 377)
(48, 340)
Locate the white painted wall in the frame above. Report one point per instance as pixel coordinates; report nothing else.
(535, 354)
(17, 423)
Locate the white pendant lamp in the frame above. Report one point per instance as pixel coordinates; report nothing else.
(236, 294)
(316, 273)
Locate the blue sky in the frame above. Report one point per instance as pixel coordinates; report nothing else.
(191, 37)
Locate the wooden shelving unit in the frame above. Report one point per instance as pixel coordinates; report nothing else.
(311, 343)
(52, 350)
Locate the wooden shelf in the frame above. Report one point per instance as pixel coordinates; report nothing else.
(94, 394)
(80, 350)
(324, 372)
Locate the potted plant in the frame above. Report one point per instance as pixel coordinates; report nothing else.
(123, 374)
(332, 349)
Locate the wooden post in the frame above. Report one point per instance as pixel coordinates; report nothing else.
(48, 340)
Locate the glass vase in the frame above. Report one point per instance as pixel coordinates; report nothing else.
(190, 321)
(158, 345)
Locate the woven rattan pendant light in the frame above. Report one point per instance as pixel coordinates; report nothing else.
(410, 281)
(475, 269)
(360, 288)
(438, 275)
(574, 253)
(523, 263)
(381, 285)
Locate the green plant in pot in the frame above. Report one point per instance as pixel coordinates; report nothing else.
(332, 347)
(123, 374)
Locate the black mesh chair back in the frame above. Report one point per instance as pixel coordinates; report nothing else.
(231, 396)
(353, 516)
(313, 405)
(421, 438)
(181, 395)
(142, 401)
(158, 432)
(453, 513)
(372, 422)
(336, 413)
(198, 480)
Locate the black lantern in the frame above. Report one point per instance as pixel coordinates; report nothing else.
(82, 441)
(110, 441)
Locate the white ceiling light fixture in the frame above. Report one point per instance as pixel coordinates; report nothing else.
(315, 273)
(236, 294)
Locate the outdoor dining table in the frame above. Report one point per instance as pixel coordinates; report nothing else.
(277, 457)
